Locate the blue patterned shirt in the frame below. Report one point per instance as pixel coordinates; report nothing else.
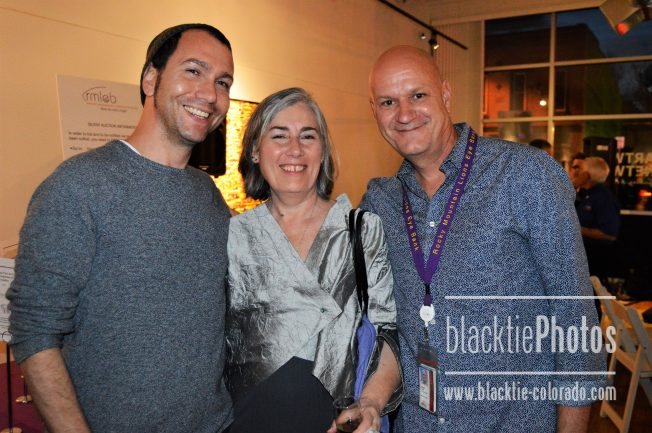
(515, 233)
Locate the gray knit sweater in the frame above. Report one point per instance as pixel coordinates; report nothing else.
(122, 264)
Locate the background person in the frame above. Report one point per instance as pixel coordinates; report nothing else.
(293, 308)
(542, 144)
(117, 306)
(598, 212)
(514, 232)
(577, 172)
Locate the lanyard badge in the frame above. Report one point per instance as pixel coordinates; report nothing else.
(426, 354)
(427, 359)
(428, 369)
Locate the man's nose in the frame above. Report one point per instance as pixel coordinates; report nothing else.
(405, 112)
(206, 90)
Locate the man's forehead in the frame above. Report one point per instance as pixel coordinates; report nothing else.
(403, 78)
(200, 40)
(198, 46)
(404, 66)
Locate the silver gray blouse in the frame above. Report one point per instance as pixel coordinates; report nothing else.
(278, 303)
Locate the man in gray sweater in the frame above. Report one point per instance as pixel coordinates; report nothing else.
(117, 307)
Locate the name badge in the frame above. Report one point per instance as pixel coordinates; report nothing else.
(428, 381)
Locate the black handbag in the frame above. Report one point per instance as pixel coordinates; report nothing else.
(355, 234)
(366, 332)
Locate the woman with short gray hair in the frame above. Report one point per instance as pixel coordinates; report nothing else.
(293, 309)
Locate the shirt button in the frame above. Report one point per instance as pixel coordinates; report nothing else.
(322, 309)
(442, 420)
(432, 223)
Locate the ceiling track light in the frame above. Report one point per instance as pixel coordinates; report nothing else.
(623, 15)
(433, 31)
(433, 42)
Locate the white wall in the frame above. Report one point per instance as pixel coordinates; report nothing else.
(461, 11)
(326, 46)
(463, 70)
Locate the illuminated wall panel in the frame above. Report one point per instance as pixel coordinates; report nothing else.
(230, 184)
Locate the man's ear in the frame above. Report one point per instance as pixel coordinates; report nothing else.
(149, 80)
(446, 94)
(373, 107)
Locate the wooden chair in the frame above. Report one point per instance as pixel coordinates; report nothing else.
(633, 351)
(600, 290)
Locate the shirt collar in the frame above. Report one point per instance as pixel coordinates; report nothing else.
(450, 166)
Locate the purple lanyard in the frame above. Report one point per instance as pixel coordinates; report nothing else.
(427, 270)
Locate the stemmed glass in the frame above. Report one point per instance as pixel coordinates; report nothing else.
(347, 414)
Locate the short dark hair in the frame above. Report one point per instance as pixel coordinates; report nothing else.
(579, 155)
(255, 184)
(540, 143)
(165, 44)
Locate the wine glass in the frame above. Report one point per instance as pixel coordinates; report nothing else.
(347, 414)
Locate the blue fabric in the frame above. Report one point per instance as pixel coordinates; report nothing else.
(516, 232)
(366, 337)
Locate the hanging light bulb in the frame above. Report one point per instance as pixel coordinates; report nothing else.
(433, 41)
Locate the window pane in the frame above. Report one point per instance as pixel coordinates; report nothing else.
(570, 134)
(518, 93)
(586, 34)
(520, 132)
(568, 140)
(631, 162)
(617, 88)
(515, 41)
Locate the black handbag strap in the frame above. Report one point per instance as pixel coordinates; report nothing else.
(355, 234)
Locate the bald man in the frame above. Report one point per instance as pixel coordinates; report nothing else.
(483, 240)
(598, 211)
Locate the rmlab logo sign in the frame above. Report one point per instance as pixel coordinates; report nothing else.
(99, 96)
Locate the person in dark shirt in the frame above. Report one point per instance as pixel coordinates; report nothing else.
(598, 211)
